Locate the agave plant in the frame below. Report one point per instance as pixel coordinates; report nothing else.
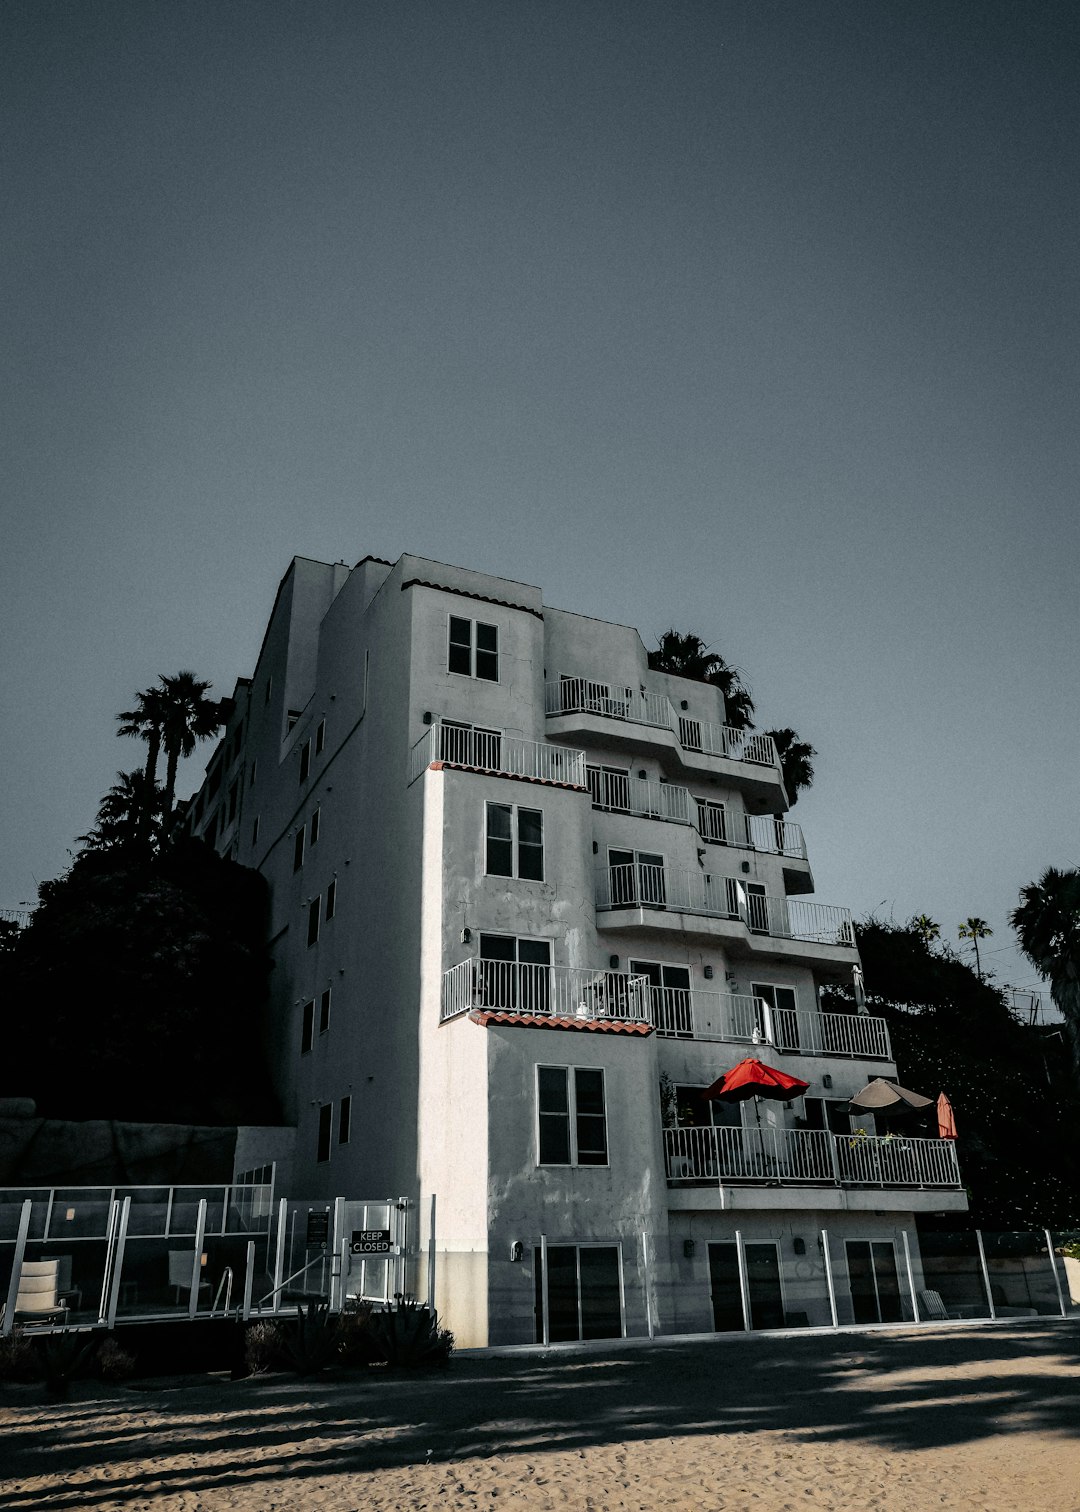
(408, 1334)
(308, 1344)
(62, 1358)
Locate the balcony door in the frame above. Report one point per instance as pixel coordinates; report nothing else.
(873, 1279)
(584, 1292)
(712, 821)
(469, 745)
(610, 787)
(764, 1294)
(515, 973)
(636, 879)
(669, 992)
(756, 906)
(783, 1006)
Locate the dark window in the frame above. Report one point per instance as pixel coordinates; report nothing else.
(324, 1012)
(326, 1123)
(313, 920)
(305, 760)
(290, 719)
(320, 737)
(530, 824)
(307, 1030)
(269, 689)
(514, 834)
(331, 900)
(344, 1119)
(298, 850)
(572, 1116)
(255, 830)
(487, 652)
(314, 835)
(500, 840)
(459, 658)
(254, 769)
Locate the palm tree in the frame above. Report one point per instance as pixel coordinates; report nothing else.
(122, 814)
(1047, 925)
(926, 928)
(189, 717)
(686, 655)
(796, 762)
(975, 930)
(146, 722)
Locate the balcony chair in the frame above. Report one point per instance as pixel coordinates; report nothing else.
(933, 1308)
(180, 1265)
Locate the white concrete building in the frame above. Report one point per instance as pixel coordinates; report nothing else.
(529, 899)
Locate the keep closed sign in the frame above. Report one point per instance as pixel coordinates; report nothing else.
(370, 1242)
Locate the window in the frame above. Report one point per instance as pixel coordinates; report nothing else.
(711, 821)
(324, 1012)
(313, 836)
(326, 1124)
(313, 920)
(515, 842)
(344, 1119)
(307, 1029)
(572, 1123)
(269, 688)
(331, 900)
(254, 769)
(320, 737)
(298, 849)
(290, 719)
(305, 761)
(783, 1011)
(473, 649)
(255, 830)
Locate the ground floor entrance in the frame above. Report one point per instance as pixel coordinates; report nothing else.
(580, 1294)
(764, 1296)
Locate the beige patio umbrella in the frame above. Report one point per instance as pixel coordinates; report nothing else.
(881, 1096)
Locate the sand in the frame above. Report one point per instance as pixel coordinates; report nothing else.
(986, 1419)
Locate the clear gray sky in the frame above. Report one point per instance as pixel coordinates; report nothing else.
(758, 319)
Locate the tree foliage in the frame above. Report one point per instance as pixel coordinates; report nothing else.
(1010, 1085)
(1047, 925)
(796, 762)
(686, 655)
(137, 989)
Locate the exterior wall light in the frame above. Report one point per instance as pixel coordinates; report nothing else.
(707, 973)
(798, 1245)
(688, 1244)
(826, 1080)
(466, 935)
(427, 716)
(613, 962)
(517, 1250)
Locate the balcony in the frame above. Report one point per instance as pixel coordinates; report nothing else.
(617, 793)
(545, 991)
(501, 755)
(634, 718)
(786, 1157)
(686, 1013)
(659, 889)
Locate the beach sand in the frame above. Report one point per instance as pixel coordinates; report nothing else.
(901, 1421)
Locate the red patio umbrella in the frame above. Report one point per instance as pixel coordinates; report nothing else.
(753, 1078)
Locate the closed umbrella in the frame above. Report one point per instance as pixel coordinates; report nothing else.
(946, 1119)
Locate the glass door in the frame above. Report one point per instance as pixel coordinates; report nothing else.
(584, 1292)
(764, 1293)
(515, 973)
(875, 1285)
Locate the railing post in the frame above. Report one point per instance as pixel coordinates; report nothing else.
(249, 1280)
(431, 1258)
(985, 1274)
(1057, 1278)
(647, 1284)
(910, 1276)
(829, 1277)
(337, 1260)
(279, 1252)
(196, 1268)
(16, 1267)
(110, 1250)
(545, 1330)
(118, 1261)
(744, 1282)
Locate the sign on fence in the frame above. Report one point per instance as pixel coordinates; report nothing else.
(318, 1230)
(370, 1242)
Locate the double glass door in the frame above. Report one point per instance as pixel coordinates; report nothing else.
(764, 1295)
(584, 1292)
(637, 879)
(515, 973)
(875, 1286)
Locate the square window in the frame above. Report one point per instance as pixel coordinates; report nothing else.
(571, 1116)
(326, 1123)
(514, 842)
(473, 649)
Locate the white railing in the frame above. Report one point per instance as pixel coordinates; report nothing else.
(725, 740)
(590, 695)
(491, 751)
(549, 991)
(639, 795)
(643, 884)
(779, 836)
(853, 1034)
(787, 1156)
(690, 1014)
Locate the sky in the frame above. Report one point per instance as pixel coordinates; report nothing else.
(755, 318)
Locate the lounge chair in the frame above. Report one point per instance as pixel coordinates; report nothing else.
(933, 1308)
(181, 1263)
(36, 1300)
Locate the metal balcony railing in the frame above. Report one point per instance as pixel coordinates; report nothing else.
(726, 740)
(855, 1035)
(492, 751)
(789, 1156)
(779, 836)
(687, 1013)
(643, 884)
(639, 795)
(549, 991)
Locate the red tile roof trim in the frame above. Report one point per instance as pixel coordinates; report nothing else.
(480, 598)
(460, 766)
(548, 1021)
